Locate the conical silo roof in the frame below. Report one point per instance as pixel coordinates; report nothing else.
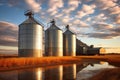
(68, 31)
(53, 26)
(30, 19)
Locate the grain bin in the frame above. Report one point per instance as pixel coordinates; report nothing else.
(53, 41)
(30, 37)
(69, 41)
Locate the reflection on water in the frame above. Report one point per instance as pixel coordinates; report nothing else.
(69, 72)
(31, 74)
(54, 73)
(61, 72)
(9, 75)
(92, 69)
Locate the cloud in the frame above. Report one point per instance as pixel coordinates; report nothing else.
(86, 10)
(8, 52)
(117, 19)
(100, 17)
(105, 4)
(54, 5)
(58, 15)
(108, 7)
(88, 19)
(8, 34)
(33, 5)
(13, 2)
(102, 35)
(86, 16)
(102, 27)
(72, 5)
(81, 14)
(66, 19)
(107, 33)
(115, 10)
(116, 30)
(80, 23)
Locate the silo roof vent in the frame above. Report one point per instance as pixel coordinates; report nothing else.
(29, 13)
(68, 30)
(53, 22)
(67, 27)
(30, 19)
(53, 26)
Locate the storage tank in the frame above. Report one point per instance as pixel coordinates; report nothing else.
(53, 40)
(69, 41)
(30, 37)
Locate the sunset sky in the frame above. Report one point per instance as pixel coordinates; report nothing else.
(96, 22)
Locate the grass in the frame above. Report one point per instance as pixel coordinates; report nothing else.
(112, 59)
(18, 63)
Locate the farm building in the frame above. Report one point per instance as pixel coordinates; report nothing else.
(84, 49)
(93, 51)
(81, 48)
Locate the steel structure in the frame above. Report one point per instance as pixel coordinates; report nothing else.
(53, 41)
(30, 40)
(69, 41)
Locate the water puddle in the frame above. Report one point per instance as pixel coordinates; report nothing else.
(60, 72)
(92, 69)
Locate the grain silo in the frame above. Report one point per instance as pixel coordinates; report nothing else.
(30, 37)
(53, 41)
(69, 41)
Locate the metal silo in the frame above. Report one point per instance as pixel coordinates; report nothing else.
(53, 41)
(69, 41)
(30, 37)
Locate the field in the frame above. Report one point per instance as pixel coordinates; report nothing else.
(18, 63)
(112, 59)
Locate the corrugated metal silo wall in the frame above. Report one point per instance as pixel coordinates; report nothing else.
(53, 42)
(43, 43)
(69, 42)
(30, 40)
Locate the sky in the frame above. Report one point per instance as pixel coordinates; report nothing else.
(95, 22)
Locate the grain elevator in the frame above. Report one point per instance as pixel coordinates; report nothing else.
(30, 38)
(69, 41)
(53, 40)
